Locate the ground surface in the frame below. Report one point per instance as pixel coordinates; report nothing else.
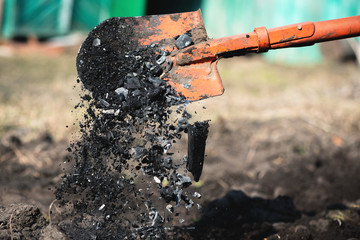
(283, 154)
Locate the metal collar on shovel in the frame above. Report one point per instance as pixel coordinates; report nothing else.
(190, 65)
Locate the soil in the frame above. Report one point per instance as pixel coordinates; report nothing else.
(275, 178)
(285, 191)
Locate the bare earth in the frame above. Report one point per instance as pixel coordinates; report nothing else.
(283, 154)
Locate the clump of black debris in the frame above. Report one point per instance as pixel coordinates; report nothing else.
(126, 182)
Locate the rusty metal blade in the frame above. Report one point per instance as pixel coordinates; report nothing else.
(195, 81)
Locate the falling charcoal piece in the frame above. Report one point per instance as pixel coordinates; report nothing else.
(197, 134)
(168, 194)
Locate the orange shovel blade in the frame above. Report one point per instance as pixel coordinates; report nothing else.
(194, 81)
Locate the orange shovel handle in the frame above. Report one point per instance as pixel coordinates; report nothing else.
(321, 32)
(262, 39)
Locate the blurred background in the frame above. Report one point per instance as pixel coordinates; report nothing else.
(39, 41)
(46, 19)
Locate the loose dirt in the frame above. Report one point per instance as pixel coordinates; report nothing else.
(286, 190)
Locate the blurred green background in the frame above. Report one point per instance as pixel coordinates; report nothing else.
(49, 18)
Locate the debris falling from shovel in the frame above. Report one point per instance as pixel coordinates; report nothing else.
(197, 135)
(126, 181)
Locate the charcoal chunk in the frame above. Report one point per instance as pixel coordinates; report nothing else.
(160, 59)
(156, 70)
(183, 180)
(168, 194)
(156, 81)
(183, 41)
(122, 91)
(197, 135)
(132, 83)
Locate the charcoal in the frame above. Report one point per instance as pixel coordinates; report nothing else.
(156, 70)
(183, 180)
(156, 94)
(170, 208)
(155, 217)
(139, 152)
(148, 65)
(124, 153)
(132, 83)
(183, 122)
(156, 81)
(183, 41)
(122, 91)
(168, 194)
(189, 204)
(170, 66)
(178, 197)
(187, 85)
(197, 135)
(186, 115)
(136, 92)
(108, 111)
(197, 195)
(161, 59)
(167, 163)
(96, 42)
(104, 102)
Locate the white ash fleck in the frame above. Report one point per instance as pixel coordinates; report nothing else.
(123, 91)
(170, 208)
(157, 180)
(196, 194)
(109, 111)
(96, 42)
(101, 207)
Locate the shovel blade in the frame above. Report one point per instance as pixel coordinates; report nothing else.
(194, 81)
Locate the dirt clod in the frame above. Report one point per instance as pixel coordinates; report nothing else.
(22, 221)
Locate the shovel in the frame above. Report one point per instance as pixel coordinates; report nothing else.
(185, 57)
(185, 53)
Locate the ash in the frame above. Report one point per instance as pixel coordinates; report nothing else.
(126, 183)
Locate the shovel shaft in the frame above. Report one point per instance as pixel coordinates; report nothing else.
(262, 39)
(322, 32)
